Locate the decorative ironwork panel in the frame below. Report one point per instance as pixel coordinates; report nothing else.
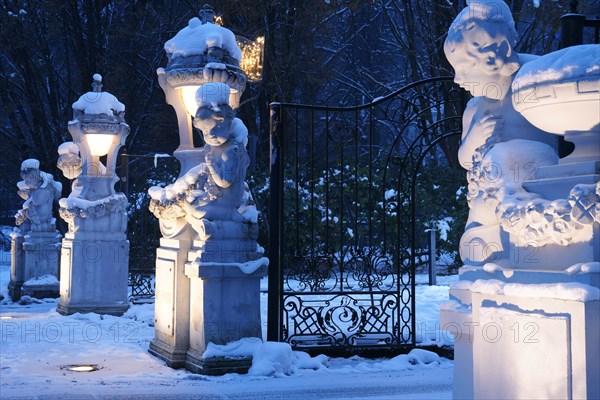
(346, 234)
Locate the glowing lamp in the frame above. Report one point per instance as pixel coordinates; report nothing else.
(99, 144)
(81, 367)
(188, 95)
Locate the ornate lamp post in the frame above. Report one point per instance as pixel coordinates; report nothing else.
(206, 217)
(95, 250)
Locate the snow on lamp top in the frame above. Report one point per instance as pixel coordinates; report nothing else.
(570, 64)
(98, 102)
(197, 38)
(560, 93)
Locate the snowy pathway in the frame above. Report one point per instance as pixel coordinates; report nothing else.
(36, 344)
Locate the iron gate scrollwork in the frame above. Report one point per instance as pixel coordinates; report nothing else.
(342, 219)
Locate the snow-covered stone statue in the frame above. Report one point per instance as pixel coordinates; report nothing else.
(209, 264)
(35, 244)
(531, 245)
(95, 250)
(213, 196)
(499, 148)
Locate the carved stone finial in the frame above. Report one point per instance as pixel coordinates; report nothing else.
(97, 84)
(207, 14)
(573, 4)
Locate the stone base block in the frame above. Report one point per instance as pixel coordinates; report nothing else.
(216, 365)
(41, 291)
(173, 357)
(34, 256)
(94, 276)
(111, 309)
(224, 304)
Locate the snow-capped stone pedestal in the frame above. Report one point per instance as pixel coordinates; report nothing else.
(526, 312)
(35, 245)
(225, 269)
(209, 264)
(95, 250)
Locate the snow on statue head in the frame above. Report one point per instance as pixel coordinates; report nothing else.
(214, 116)
(480, 47)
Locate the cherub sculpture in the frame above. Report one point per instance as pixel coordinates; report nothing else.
(39, 190)
(214, 192)
(500, 148)
(226, 160)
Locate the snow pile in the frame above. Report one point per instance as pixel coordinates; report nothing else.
(83, 204)
(416, 358)
(443, 227)
(487, 286)
(453, 305)
(245, 347)
(429, 300)
(44, 280)
(27, 300)
(461, 285)
(99, 102)
(584, 268)
(268, 358)
(68, 148)
(491, 267)
(566, 65)
(273, 359)
(573, 291)
(143, 313)
(249, 267)
(196, 38)
(391, 193)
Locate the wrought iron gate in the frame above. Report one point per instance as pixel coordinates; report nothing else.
(344, 243)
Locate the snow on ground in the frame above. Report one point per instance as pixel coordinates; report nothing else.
(36, 344)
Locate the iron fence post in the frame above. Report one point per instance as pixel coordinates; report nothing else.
(571, 27)
(274, 312)
(432, 258)
(124, 175)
